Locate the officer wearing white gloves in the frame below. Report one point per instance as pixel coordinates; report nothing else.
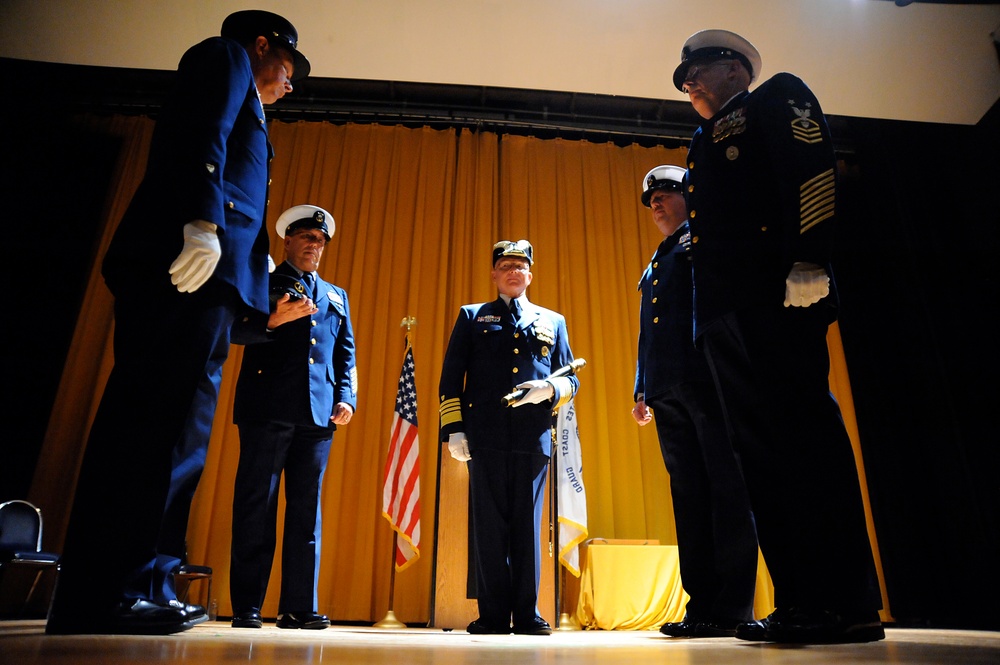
(199, 257)
(189, 255)
(496, 347)
(761, 194)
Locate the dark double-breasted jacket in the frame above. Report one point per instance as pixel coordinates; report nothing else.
(488, 355)
(760, 192)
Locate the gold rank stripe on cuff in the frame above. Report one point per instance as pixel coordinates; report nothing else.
(563, 391)
(451, 411)
(816, 198)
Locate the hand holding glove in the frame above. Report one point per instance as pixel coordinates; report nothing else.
(806, 284)
(458, 446)
(538, 392)
(197, 260)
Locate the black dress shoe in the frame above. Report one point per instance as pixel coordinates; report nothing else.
(826, 627)
(688, 628)
(537, 626)
(196, 613)
(132, 617)
(678, 628)
(760, 630)
(479, 627)
(247, 619)
(307, 620)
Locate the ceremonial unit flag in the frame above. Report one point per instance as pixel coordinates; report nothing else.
(572, 496)
(401, 482)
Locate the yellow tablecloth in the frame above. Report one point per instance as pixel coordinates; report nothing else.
(630, 587)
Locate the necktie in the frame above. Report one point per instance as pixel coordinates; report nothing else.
(309, 281)
(515, 310)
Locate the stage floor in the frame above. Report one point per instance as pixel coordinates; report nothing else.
(25, 643)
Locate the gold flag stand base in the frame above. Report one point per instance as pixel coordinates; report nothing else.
(390, 621)
(566, 622)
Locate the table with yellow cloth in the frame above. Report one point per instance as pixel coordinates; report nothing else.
(629, 585)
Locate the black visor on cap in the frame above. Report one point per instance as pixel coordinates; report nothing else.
(690, 58)
(655, 185)
(309, 223)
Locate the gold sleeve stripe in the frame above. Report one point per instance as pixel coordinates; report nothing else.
(451, 411)
(816, 200)
(563, 391)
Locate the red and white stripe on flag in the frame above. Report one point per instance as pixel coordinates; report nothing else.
(401, 481)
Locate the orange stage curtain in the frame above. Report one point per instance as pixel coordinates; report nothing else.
(417, 211)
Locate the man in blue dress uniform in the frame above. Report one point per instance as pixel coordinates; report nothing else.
(190, 253)
(496, 348)
(297, 384)
(716, 542)
(761, 193)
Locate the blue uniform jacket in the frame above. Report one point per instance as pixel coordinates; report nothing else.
(760, 195)
(667, 355)
(209, 160)
(299, 371)
(487, 356)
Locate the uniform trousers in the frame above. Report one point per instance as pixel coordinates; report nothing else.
(164, 342)
(716, 539)
(267, 449)
(771, 368)
(507, 496)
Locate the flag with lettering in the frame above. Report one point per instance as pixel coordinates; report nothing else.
(401, 482)
(571, 495)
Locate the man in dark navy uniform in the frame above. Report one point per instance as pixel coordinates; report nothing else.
(495, 348)
(761, 193)
(716, 541)
(297, 384)
(189, 253)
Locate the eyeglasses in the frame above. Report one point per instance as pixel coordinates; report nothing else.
(511, 265)
(695, 71)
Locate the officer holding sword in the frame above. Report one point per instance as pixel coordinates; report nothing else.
(496, 348)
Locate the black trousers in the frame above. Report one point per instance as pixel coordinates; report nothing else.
(507, 493)
(716, 539)
(268, 449)
(771, 368)
(165, 343)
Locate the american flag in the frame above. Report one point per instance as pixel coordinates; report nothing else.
(401, 484)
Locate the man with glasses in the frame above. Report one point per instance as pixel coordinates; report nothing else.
(760, 194)
(297, 384)
(496, 348)
(189, 253)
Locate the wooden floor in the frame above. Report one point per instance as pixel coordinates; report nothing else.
(25, 643)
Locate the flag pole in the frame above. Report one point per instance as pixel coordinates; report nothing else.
(554, 517)
(563, 620)
(390, 620)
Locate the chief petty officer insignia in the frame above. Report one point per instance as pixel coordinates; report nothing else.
(804, 128)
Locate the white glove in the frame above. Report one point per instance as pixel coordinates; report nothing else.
(458, 446)
(538, 392)
(807, 283)
(198, 258)
(270, 264)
